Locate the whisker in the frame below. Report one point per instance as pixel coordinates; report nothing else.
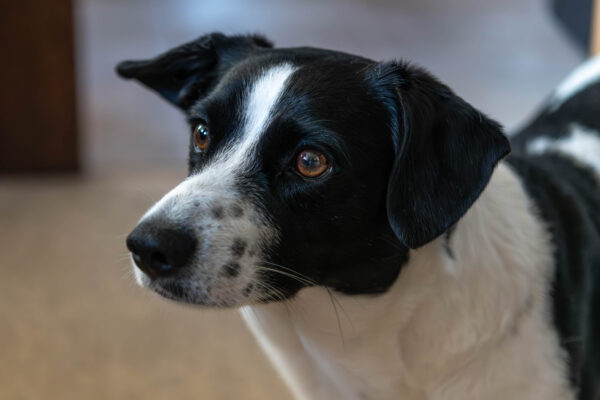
(306, 280)
(292, 271)
(287, 274)
(339, 303)
(271, 290)
(292, 274)
(337, 317)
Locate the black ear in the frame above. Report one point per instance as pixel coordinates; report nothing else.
(446, 153)
(185, 73)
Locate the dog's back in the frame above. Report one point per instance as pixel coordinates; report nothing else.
(558, 158)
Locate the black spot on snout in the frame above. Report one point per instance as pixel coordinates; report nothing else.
(248, 289)
(237, 211)
(217, 212)
(238, 248)
(231, 269)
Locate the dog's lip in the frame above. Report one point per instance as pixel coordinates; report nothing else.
(170, 290)
(166, 293)
(176, 292)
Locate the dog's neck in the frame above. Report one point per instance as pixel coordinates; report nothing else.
(464, 319)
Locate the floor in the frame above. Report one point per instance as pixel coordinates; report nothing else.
(75, 326)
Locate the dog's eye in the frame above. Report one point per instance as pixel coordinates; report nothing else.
(201, 137)
(311, 163)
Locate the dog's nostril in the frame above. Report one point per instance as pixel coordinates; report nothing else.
(159, 263)
(160, 251)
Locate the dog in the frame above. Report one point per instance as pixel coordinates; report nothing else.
(372, 227)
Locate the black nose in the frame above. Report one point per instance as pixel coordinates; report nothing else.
(160, 251)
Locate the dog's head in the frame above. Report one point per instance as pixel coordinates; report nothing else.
(306, 167)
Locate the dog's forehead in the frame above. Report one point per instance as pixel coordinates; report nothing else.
(261, 94)
(267, 88)
(316, 70)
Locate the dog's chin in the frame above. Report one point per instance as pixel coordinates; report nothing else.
(179, 293)
(183, 292)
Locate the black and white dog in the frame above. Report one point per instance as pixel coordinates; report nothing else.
(368, 222)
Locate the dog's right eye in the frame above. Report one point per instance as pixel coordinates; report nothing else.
(312, 163)
(201, 137)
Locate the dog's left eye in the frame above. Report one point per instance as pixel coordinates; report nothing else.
(201, 137)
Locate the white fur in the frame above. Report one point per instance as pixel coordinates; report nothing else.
(475, 326)
(196, 197)
(582, 144)
(583, 76)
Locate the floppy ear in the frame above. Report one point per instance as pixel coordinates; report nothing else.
(185, 73)
(446, 153)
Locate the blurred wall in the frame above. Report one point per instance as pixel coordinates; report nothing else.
(503, 56)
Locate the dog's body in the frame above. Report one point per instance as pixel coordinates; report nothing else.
(391, 273)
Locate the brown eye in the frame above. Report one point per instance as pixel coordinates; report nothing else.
(311, 163)
(201, 138)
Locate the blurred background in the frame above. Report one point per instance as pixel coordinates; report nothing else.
(84, 154)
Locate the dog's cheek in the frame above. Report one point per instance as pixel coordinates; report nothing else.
(229, 264)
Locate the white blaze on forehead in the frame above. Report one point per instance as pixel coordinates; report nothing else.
(216, 179)
(258, 107)
(262, 99)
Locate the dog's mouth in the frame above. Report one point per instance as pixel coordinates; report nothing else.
(180, 293)
(220, 292)
(184, 292)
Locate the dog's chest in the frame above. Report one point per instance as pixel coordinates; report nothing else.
(332, 350)
(431, 354)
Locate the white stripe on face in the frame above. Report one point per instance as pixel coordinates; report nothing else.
(218, 177)
(259, 105)
(207, 202)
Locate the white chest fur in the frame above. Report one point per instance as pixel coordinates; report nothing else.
(472, 326)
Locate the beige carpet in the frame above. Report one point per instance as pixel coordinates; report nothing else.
(73, 325)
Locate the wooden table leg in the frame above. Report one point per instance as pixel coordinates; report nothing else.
(38, 130)
(595, 31)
